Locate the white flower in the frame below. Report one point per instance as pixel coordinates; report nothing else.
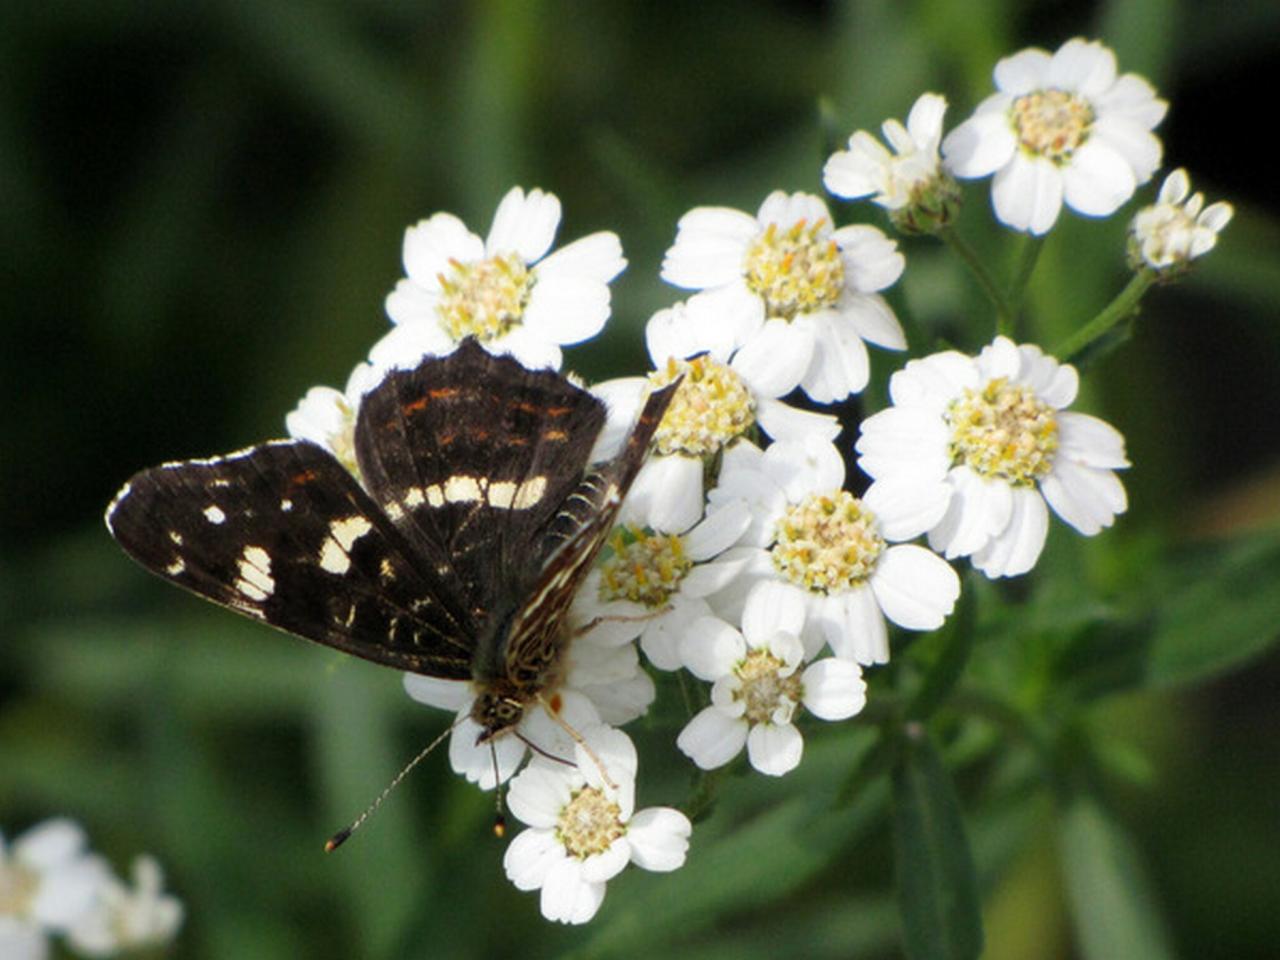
(909, 181)
(583, 828)
(757, 688)
(1174, 230)
(505, 290)
(122, 919)
(724, 396)
(603, 682)
(1061, 127)
(795, 295)
(816, 542)
(327, 417)
(48, 881)
(973, 448)
(652, 584)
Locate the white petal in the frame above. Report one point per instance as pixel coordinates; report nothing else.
(429, 245)
(924, 122)
(934, 381)
(783, 422)
(49, 844)
(710, 247)
(670, 333)
(601, 867)
(1022, 72)
(662, 637)
(1097, 181)
(1133, 99)
(410, 303)
(979, 510)
(775, 749)
(1082, 66)
(597, 257)
(1090, 442)
(476, 761)
(406, 344)
(718, 531)
(871, 260)
(905, 507)
(530, 857)
(667, 494)
(834, 688)
(776, 357)
(524, 225)
(567, 897)
(529, 347)
(1086, 498)
(22, 941)
(659, 838)
(1016, 550)
(855, 626)
(904, 443)
(840, 366)
(859, 171)
(786, 209)
(567, 309)
(622, 398)
(811, 465)
(772, 608)
(710, 647)
(980, 146)
(730, 316)
(1027, 194)
(874, 321)
(712, 739)
(539, 794)
(1140, 149)
(450, 695)
(915, 587)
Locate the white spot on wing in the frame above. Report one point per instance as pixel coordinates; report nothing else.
(413, 497)
(255, 580)
(176, 537)
(461, 489)
(175, 568)
(529, 493)
(435, 496)
(214, 514)
(501, 494)
(333, 559)
(387, 569)
(348, 530)
(286, 504)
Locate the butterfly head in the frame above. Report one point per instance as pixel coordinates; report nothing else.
(496, 711)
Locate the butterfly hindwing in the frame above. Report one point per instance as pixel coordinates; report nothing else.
(283, 533)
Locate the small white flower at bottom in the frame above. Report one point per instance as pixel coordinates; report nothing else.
(974, 448)
(327, 417)
(1173, 231)
(583, 828)
(758, 686)
(122, 919)
(48, 882)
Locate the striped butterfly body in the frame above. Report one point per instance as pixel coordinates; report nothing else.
(455, 553)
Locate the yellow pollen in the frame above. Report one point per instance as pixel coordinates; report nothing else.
(589, 823)
(645, 567)
(796, 271)
(343, 442)
(484, 298)
(1051, 123)
(827, 542)
(18, 886)
(712, 407)
(1003, 432)
(763, 688)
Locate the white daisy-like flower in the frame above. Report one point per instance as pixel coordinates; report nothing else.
(653, 585)
(907, 180)
(327, 417)
(796, 296)
(973, 449)
(584, 829)
(124, 919)
(504, 290)
(602, 681)
(815, 542)
(1177, 228)
(724, 397)
(48, 882)
(1062, 127)
(758, 685)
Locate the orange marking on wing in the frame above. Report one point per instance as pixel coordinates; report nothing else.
(413, 406)
(557, 411)
(555, 435)
(443, 393)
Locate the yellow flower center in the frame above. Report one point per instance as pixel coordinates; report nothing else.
(1051, 123)
(827, 542)
(1003, 432)
(712, 407)
(485, 298)
(18, 885)
(644, 567)
(589, 823)
(763, 688)
(796, 271)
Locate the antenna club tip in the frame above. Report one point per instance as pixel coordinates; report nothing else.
(500, 827)
(337, 840)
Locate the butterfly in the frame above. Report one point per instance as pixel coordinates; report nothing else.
(455, 553)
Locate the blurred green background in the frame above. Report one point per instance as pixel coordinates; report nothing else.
(203, 204)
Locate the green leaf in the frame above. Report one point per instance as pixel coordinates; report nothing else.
(1224, 610)
(937, 890)
(1112, 903)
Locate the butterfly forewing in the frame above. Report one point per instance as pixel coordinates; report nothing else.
(283, 533)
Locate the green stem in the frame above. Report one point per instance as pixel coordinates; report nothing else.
(1027, 260)
(1004, 311)
(1118, 309)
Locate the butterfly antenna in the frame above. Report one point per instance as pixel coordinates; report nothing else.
(499, 817)
(579, 740)
(339, 838)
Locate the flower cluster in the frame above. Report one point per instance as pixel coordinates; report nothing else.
(51, 885)
(744, 554)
